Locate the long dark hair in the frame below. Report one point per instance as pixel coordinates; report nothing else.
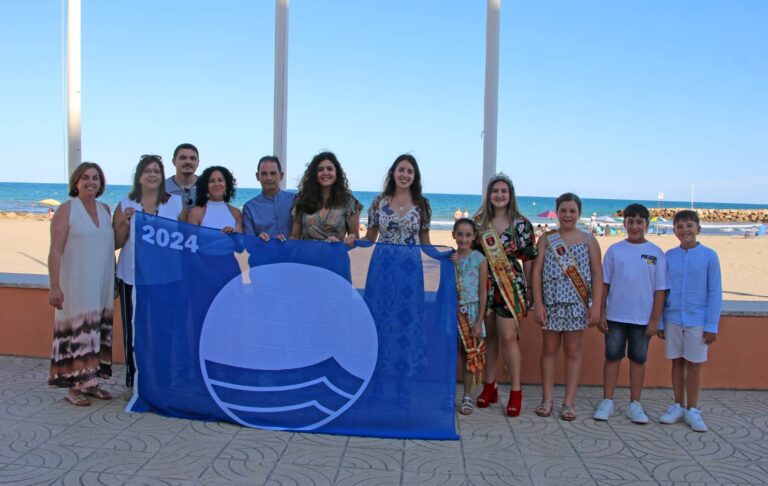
(309, 198)
(425, 212)
(144, 161)
(201, 186)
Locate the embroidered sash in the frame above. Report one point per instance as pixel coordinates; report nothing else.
(503, 274)
(567, 263)
(474, 347)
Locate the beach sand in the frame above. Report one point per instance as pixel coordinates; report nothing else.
(744, 262)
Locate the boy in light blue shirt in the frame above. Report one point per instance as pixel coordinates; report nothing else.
(691, 315)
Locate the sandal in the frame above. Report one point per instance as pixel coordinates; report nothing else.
(466, 406)
(78, 399)
(545, 409)
(98, 393)
(568, 413)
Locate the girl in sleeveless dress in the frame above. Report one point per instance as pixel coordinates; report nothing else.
(472, 275)
(567, 292)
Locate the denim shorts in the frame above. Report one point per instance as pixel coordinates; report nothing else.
(626, 340)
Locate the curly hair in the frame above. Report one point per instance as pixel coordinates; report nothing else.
(425, 212)
(144, 161)
(201, 186)
(486, 212)
(309, 198)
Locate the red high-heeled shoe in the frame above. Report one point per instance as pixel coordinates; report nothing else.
(489, 395)
(515, 403)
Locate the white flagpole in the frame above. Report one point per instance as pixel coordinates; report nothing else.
(491, 102)
(74, 149)
(279, 141)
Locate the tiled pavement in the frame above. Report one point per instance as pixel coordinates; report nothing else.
(44, 440)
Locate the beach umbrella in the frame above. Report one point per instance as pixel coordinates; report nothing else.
(548, 214)
(606, 219)
(49, 202)
(658, 219)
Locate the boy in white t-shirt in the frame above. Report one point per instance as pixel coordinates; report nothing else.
(635, 276)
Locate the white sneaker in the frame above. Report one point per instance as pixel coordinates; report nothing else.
(674, 414)
(604, 411)
(636, 414)
(694, 420)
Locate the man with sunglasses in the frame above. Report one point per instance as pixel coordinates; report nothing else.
(186, 158)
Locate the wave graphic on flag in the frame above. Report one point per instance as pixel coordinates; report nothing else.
(279, 399)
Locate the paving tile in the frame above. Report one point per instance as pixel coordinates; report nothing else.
(559, 468)
(666, 449)
(111, 417)
(302, 475)
(151, 421)
(535, 425)
(433, 478)
(173, 467)
(207, 431)
(318, 439)
(373, 458)
(253, 451)
(60, 413)
(735, 472)
(113, 461)
(195, 448)
(92, 478)
(495, 464)
(442, 457)
(54, 456)
(677, 470)
(231, 471)
(377, 443)
(140, 440)
(29, 475)
(587, 447)
(629, 470)
(493, 444)
(367, 477)
(556, 444)
(156, 481)
(10, 451)
(260, 436)
(31, 432)
(312, 455)
(77, 436)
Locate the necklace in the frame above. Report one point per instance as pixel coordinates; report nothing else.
(400, 205)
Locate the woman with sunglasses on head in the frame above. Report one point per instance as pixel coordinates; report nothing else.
(216, 186)
(148, 195)
(81, 267)
(324, 208)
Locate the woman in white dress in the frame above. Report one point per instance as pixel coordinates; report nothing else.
(215, 188)
(81, 266)
(147, 195)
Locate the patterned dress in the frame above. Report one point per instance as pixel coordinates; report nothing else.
(469, 276)
(317, 227)
(402, 230)
(565, 309)
(519, 245)
(82, 333)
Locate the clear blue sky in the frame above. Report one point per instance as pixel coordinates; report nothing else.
(603, 98)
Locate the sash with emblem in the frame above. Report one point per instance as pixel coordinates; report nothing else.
(503, 274)
(473, 346)
(567, 263)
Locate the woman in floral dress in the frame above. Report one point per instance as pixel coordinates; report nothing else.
(500, 213)
(324, 208)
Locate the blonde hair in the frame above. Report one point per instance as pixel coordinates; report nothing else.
(485, 214)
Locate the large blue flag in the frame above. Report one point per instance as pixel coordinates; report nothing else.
(297, 335)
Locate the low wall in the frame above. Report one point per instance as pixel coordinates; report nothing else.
(735, 360)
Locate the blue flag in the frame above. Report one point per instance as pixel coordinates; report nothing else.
(296, 335)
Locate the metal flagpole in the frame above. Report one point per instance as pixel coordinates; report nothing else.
(491, 103)
(74, 149)
(279, 141)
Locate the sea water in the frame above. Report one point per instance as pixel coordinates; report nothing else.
(22, 196)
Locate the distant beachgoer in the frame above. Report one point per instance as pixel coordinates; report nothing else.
(50, 213)
(466, 213)
(505, 237)
(216, 186)
(81, 267)
(401, 214)
(593, 222)
(539, 231)
(268, 215)
(691, 317)
(457, 214)
(147, 195)
(472, 291)
(566, 303)
(186, 159)
(324, 208)
(546, 228)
